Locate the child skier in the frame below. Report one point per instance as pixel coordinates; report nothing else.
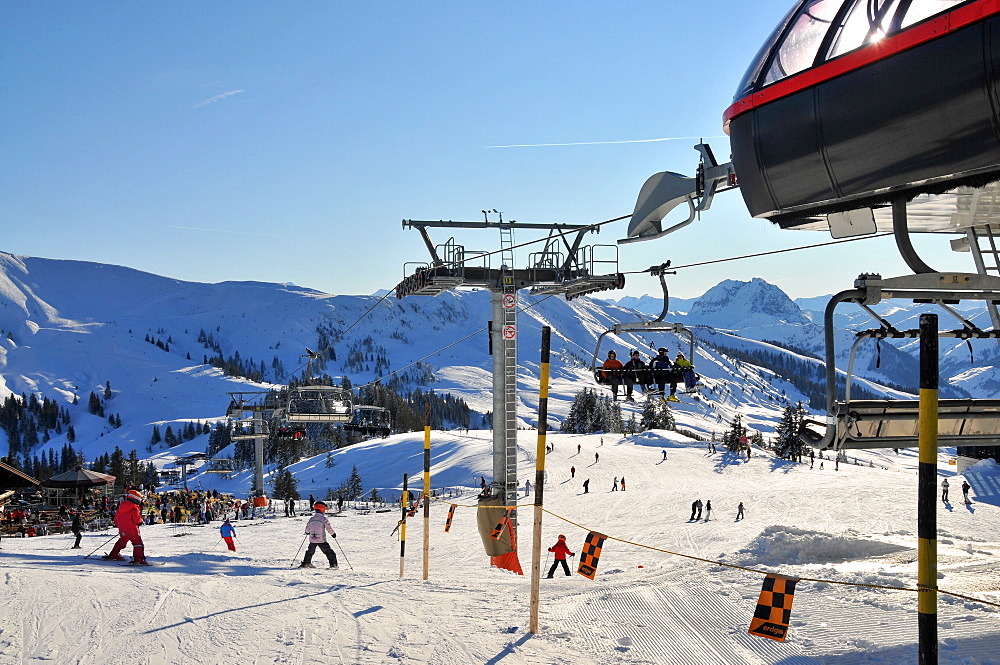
(317, 527)
(559, 551)
(128, 517)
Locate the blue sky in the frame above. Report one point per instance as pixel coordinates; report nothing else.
(284, 142)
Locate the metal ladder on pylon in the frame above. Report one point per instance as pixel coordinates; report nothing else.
(510, 389)
(506, 245)
(987, 259)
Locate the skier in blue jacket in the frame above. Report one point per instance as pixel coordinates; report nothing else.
(228, 532)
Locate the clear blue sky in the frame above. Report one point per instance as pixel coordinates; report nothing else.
(284, 142)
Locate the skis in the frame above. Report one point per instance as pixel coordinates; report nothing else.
(127, 562)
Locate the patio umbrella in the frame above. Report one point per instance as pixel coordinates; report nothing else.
(79, 477)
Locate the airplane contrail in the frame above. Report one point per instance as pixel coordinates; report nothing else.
(540, 145)
(244, 233)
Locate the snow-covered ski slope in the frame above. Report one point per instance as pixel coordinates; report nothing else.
(206, 605)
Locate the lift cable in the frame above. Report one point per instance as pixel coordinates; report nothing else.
(564, 233)
(773, 251)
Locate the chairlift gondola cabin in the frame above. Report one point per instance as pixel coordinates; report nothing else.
(370, 421)
(657, 325)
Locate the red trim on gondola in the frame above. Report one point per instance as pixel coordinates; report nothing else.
(958, 18)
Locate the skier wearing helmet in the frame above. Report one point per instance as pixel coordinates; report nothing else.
(317, 527)
(663, 372)
(559, 550)
(611, 370)
(128, 517)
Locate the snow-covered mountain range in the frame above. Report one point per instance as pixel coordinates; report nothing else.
(70, 328)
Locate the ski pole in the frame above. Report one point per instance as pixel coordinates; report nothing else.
(299, 550)
(101, 545)
(345, 555)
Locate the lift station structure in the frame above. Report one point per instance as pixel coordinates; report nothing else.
(564, 266)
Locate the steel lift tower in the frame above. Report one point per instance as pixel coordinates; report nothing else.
(564, 266)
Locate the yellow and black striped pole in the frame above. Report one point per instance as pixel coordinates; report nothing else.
(927, 431)
(427, 493)
(404, 504)
(543, 416)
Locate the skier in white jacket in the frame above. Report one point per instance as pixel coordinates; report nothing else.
(317, 527)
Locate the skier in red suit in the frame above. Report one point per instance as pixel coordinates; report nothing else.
(559, 550)
(128, 517)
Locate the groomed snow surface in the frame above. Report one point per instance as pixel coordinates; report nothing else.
(207, 605)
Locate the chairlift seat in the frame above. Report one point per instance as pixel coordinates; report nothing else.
(894, 424)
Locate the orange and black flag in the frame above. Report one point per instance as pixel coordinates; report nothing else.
(774, 608)
(413, 510)
(590, 554)
(451, 516)
(498, 529)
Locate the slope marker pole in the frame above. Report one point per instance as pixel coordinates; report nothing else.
(536, 541)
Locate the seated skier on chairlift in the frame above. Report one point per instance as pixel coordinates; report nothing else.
(635, 372)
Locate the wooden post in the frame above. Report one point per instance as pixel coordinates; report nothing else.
(536, 543)
(427, 493)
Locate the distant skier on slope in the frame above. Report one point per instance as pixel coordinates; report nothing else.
(944, 490)
(128, 517)
(965, 492)
(708, 509)
(77, 528)
(317, 527)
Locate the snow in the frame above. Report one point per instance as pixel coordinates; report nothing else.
(647, 604)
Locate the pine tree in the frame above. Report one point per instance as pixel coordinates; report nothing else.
(285, 485)
(354, 487)
(94, 405)
(732, 438)
(70, 434)
(155, 438)
(788, 444)
(107, 390)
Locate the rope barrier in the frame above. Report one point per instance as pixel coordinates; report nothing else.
(734, 566)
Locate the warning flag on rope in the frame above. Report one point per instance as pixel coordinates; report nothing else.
(774, 608)
(590, 554)
(451, 515)
(498, 529)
